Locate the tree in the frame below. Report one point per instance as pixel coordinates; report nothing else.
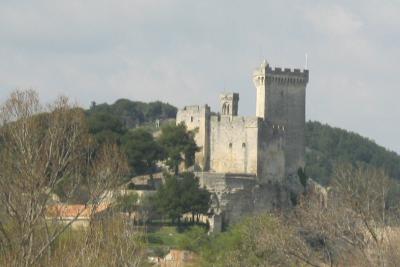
(181, 194)
(43, 147)
(127, 203)
(328, 146)
(159, 110)
(302, 176)
(357, 225)
(134, 113)
(179, 145)
(141, 150)
(105, 127)
(167, 200)
(195, 199)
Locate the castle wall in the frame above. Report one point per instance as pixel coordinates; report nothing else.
(285, 90)
(295, 133)
(197, 118)
(271, 154)
(234, 144)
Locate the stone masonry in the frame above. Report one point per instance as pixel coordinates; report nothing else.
(243, 160)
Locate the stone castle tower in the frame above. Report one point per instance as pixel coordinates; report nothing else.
(248, 153)
(281, 104)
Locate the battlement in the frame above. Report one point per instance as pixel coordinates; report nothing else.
(192, 115)
(239, 121)
(287, 71)
(229, 96)
(195, 108)
(277, 74)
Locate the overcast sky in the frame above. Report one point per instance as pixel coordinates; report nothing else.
(186, 52)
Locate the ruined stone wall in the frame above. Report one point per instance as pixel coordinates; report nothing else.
(234, 144)
(231, 194)
(197, 118)
(237, 195)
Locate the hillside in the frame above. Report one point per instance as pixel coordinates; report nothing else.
(133, 113)
(327, 146)
(128, 123)
(53, 154)
(112, 121)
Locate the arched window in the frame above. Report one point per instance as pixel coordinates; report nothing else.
(230, 145)
(224, 108)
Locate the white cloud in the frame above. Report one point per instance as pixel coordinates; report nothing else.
(333, 20)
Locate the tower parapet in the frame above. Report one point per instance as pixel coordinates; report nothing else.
(287, 75)
(290, 76)
(229, 103)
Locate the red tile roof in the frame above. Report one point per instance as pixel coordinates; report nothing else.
(63, 210)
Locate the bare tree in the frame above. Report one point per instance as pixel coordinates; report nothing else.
(43, 148)
(357, 226)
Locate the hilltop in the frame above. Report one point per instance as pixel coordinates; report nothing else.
(133, 113)
(325, 145)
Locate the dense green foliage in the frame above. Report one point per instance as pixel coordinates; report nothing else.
(113, 123)
(328, 146)
(179, 195)
(177, 141)
(142, 150)
(174, 145)
(134, 113)
(106, 127)
(108, 123)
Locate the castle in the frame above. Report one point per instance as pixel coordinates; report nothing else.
(249, 154)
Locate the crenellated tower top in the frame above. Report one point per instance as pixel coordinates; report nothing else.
(266, 77)
(286, 75)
